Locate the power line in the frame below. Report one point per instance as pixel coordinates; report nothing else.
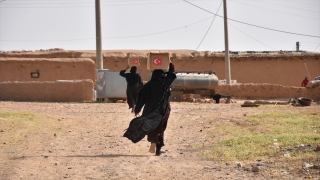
(50, 40)
(275, 49)
(250, 36)
(253, 24)
(209, 27)
(120, 37)
(305, 61)
(164, 31)
(10, 7)
(309, 42)
(274, 10)
(290, 7)
(304, 2)
(203, 37)
(316, 48)
(103, 0)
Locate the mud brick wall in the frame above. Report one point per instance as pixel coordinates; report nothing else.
(283, 68)
(268, 91)
(48, 69)
(48, 91)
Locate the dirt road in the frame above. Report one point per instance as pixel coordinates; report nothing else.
(84, 141)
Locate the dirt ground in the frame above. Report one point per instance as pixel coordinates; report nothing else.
(83, 141)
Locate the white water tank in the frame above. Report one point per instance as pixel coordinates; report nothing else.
(195, 81)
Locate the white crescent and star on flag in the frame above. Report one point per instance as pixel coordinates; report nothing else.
(134, 61)
(157, 61)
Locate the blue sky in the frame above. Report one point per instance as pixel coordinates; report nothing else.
(254, 25)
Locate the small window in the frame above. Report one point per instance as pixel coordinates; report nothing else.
(35, 74)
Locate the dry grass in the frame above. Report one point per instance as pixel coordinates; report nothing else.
(268, 137)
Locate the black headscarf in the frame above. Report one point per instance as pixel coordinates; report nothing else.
(157, 75)
(133, 70)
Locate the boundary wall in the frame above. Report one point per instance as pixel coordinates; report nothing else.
(260, 75)
(48, 91)
(268, 91)
(48, 69)
(287, 68)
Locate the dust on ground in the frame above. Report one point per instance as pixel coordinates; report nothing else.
(84, 141)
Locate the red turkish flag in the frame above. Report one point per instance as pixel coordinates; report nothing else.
(134, 61)
(157, 61)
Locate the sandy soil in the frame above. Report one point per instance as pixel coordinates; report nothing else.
(84, 141)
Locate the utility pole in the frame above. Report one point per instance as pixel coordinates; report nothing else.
(226, 44)
(99, 62)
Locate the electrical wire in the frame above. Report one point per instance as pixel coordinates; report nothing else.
(273, 10)
(90, 1)
(267, 46)
(290, 7)
(10, 7)
(275, 49)
(147, 34)
(305, 61)
(203, 37)
(304, 2)
(305, 65)
(250, 36)
(228, 19)
(309, 42)
(253, 24)
(316, 48)
(209, 27)
(183, 27)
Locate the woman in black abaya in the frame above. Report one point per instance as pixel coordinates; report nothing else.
(154, 96)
